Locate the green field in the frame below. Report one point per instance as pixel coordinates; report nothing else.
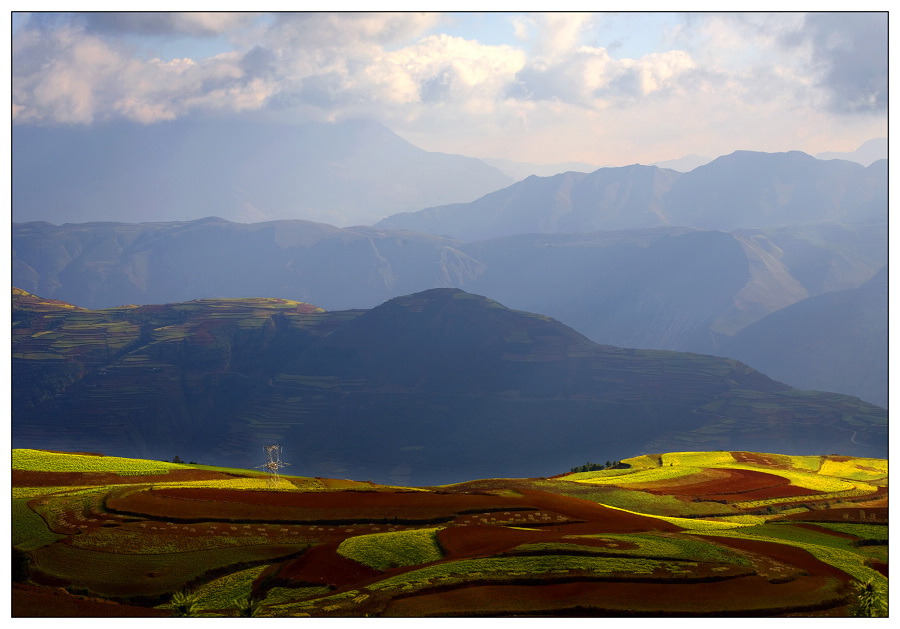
(384, 551)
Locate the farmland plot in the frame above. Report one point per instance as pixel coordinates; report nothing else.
(688, 542)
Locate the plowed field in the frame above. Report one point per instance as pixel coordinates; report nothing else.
(327, 507)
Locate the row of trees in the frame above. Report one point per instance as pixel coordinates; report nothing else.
(594, 467)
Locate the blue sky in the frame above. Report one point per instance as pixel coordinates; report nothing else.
(603, 88)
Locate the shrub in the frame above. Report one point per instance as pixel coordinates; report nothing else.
(21, 565)
(184, 604)
(247, 607)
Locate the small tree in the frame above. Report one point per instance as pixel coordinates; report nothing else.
(177, 459)
(870, 602)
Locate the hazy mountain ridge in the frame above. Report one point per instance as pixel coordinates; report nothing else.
(743, 190)
(109, 264)
(416, 388)
(661, 288)
(523, 170)
(347, 173)
(868, 153)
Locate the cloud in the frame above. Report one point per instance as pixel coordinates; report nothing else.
(67, 75)
(559, 33)
(727, 78)
(346, 30)
(852, 51)
(837, 59)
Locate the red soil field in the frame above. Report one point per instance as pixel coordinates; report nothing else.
(612, 520)
(791, 555)
(788, 579)
(206, 503)
(32, 601)
(741, 596)
(758, 458)
(731, 485)
(322, 565)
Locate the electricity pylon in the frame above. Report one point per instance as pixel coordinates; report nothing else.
(273, 462)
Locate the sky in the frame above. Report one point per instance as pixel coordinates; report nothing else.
(606, 89)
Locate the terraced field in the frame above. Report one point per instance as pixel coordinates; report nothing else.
(668, 534)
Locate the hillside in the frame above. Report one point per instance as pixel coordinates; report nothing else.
(723, 533)
(428, 388)
(738, 191)
(809, 343)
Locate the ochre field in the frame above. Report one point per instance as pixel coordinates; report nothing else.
(679, 534)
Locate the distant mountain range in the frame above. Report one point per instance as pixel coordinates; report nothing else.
(347, 173)
(523, 170)
(354, 172)
(869, 153)
(737, 191)
(427, 388)
(636, 256)
(662, 288)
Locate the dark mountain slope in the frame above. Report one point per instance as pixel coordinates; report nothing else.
(810, 343)
(347, 173)
(428, 388)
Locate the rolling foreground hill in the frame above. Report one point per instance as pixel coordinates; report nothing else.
(430, 388)
(724, 533)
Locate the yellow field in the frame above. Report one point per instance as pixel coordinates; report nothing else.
(636, 477)
(41, 461)
(697, 459)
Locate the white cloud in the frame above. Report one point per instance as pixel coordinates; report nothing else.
(69, 76)
(729, 81)
(560, 33)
